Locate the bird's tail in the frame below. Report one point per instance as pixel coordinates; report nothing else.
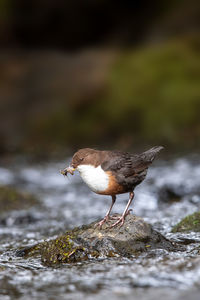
(150, 154)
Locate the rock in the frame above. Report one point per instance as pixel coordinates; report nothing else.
(169, 194)
(11, 199)
(189, 223)
(88, 241)
(19, 218)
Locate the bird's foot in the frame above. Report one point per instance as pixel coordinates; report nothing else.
(120, 219)
(104, 220)
(117, 217)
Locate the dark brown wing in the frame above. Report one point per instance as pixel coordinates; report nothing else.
(130, 170)
(125, 162)
(116, 161)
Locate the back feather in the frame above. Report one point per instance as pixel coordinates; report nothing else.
(149, 155)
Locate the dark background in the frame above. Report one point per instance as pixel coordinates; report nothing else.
(105, 74)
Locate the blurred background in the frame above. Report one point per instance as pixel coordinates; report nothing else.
(106, 74)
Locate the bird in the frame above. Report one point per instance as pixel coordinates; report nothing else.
(112, 173)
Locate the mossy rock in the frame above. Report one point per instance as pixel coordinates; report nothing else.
(82, 243)
(189, 223)
(12, 199)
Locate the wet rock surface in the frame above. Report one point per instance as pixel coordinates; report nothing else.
(82, 243)
(133, 237)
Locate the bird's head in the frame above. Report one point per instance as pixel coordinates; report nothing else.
(82, 156)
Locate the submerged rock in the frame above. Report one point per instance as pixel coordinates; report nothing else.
(169, 193)
(189, 223)
(12, 199)
(88, 241)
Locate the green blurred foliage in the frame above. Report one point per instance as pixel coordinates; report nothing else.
(148, 95)
(155, 92)
(152, 95)
(5, 9)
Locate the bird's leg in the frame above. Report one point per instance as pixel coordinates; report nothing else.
(107, 216)
(125, 213)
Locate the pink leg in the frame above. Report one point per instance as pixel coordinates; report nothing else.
(107, 216)
(125, 213)
(117, 217)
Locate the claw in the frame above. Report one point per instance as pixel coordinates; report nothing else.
(120, 220)
(99, 224)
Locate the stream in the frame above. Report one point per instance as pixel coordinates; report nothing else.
(170, 192)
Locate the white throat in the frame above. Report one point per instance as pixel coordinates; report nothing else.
(95, 178)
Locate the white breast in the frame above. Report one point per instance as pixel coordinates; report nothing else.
(95, 178)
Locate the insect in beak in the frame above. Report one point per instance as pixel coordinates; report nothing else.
(67, 170)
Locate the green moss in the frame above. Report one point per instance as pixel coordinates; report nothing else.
(11, 199)
(62, 250)
(189, 223)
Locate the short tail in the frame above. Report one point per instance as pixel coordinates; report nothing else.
(150, 154)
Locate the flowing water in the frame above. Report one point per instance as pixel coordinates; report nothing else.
(170, 192)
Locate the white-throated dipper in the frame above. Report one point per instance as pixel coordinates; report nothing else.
(112, 173)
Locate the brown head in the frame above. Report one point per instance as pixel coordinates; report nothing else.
(82, 156)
